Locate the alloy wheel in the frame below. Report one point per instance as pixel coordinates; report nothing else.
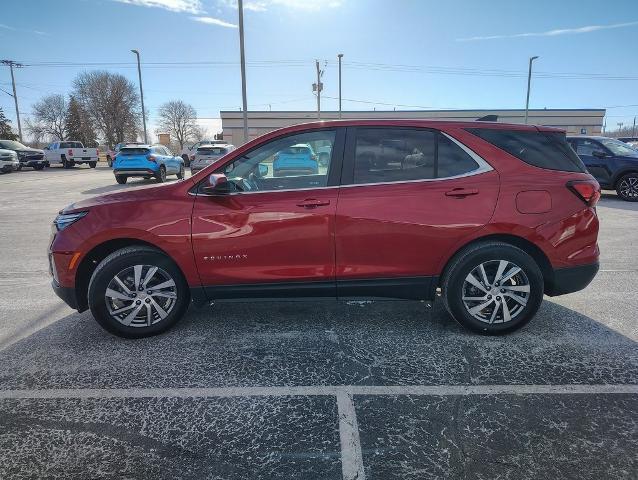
(141, 296)
(628, 187)
(496, 291)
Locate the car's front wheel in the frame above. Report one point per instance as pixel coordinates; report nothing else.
(161, 174)
(493, 288)
(627, 187)
(137, 292)
(182, 172)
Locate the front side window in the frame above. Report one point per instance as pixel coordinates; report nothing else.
(619, 148)
(285, 163)
(402, 154)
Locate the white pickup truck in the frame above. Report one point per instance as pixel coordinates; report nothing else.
(69, 154)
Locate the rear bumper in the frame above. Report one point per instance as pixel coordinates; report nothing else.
(135, 172)
(571, 279)
(67, 294)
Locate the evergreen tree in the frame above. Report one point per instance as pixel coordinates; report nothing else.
(78, 125)
(5, 128)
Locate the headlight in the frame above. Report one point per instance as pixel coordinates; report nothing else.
(65, 219)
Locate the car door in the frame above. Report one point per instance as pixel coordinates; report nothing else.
(272, 236)
(595, 157)
(398, 216)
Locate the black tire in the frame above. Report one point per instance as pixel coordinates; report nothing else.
(627, 187)
(92, 164)
(65, 163)
(161, 175)
(187, 160)
(38, 167)
(181, 173)
(490, 253)
(19, 167)
(119, 261)
(121, 179)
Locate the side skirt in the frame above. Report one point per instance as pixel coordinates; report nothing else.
(404, 288)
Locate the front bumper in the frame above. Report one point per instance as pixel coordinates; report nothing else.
(8, 166)
(570, 279)
(67, 294)
(32, 162)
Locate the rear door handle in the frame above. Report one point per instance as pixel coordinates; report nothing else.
(313, 202)
(461, 192)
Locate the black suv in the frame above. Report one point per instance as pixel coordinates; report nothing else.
(612, 162)
(27, 156)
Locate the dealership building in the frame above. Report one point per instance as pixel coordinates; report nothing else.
(574, 121)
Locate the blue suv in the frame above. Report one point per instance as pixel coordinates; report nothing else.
(612, 162)
(147, 161)
(299, 159)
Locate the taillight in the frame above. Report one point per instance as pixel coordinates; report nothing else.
(70, 152)
(151, 158)
(587, 190)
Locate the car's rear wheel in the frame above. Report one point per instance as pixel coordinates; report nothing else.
(137, 292)
(181, 173)
(187, 160)
(493, 288)
(92, 164)
(627, 187)
(121, 179)
(109, 162)
(161, 174)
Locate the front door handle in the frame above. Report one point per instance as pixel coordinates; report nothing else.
(313, 202)
(461, 192)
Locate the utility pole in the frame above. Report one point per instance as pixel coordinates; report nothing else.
(240, 7)
(633, 129)
(620, 124)
(529, 81)
(340, 56)
(12, 64)
(139, 74)
(318, 87)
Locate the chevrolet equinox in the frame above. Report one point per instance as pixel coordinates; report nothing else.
(489, 216)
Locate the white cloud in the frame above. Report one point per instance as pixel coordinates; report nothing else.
(188, 6)
(8, 27)
(263, 5)
(213, 21)
(552, 33)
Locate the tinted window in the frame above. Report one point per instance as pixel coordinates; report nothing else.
(541, 149)
(134, 151)
(270, 167)
(401, 154)
(70, 145)
(586, 147)
(212, 150)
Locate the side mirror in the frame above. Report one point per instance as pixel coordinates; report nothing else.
(218, 184)
(599, 154)
(262, 170)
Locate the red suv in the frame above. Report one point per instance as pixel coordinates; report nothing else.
(489, 216)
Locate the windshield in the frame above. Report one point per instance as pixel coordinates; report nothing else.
(619, 148)
(11, 145)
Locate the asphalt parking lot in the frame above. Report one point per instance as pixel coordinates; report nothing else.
(311, 390)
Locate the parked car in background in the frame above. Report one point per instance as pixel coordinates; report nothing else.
(297, 159)
(27, 156)
(70, 153)
(147, 161)
(612, 162)
(111, 154)
(207, 154)
(493, 217)
(188, 152)
(8, 161)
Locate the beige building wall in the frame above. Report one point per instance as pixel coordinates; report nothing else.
(575, 122)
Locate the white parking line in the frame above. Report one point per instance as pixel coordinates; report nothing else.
(351, 455)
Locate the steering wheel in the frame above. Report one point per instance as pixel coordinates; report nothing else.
(250, 183)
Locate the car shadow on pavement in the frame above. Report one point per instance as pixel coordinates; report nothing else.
(322, 343)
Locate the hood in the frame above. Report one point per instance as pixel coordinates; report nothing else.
(134, 195)
(30, 150)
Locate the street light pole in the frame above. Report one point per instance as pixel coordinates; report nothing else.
(240, 7)
(529, 81)
(139, 74)
(11, 64)
(340, 56)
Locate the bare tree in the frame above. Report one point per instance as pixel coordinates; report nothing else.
(48, 116)
(112, 103)
(180, 120)
(36, 132)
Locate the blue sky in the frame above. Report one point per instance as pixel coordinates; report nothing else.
(403, 53)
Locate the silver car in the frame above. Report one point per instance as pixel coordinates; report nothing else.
(8, 161)
(207, 154)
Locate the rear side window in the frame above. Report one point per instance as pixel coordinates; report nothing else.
(540, 149)
(404, 154)
(134, 151)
